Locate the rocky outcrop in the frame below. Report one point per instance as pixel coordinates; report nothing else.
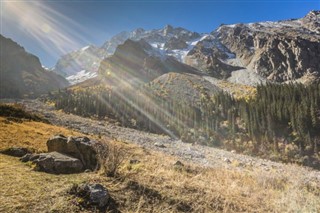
(67, 155)
(81, 148)
(208, 56)
(312, 21)
(22, 74)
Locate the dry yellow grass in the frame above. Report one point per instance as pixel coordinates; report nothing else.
(24, 190)
(216, 190)
(153, 185)
(29, 134)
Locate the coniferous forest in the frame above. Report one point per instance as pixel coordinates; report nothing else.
(281, 122)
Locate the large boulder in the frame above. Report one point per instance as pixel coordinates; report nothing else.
(57, 163)
(81, 148)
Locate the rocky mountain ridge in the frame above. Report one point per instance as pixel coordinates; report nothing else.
(138, 62)
(282, 51)
(169, 41)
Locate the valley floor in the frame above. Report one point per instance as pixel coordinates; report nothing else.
(212, 180)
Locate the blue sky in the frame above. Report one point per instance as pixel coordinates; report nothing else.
(49, 29)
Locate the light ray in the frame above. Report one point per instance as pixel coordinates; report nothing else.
(57, 33)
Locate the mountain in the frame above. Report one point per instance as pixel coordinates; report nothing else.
(170, 41)
(138, 61)
(88, 58)
(250, 54)
(279, 51)
(22, 74)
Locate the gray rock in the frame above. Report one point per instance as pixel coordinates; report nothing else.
(16, 151)
(93, 194)
(81, 148)
(178, 163)
(134, 161)
(57, 163)
(227, 160)
(159, 145)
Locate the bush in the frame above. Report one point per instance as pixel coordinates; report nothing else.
(111, 158)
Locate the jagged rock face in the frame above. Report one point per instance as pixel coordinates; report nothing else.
(153, 37)
(312, 21)
(137, 62)
(288, 59)
(207, 56)
(22, 74)
(175, 44)
(279, 51)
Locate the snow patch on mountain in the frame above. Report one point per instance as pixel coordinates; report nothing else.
(85, 48)
(180, 55)
(80, 77)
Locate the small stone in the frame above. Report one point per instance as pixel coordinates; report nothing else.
(178, 163)
(93, 194)
(134, 161)
(16, 151)
(227, 160)
(233, 151)
(159, 145)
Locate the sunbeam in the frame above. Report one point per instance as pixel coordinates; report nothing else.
(55, 32)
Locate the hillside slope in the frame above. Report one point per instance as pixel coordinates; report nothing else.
(21, 73)
(209, 180)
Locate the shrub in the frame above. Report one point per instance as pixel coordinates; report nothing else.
(111, 158)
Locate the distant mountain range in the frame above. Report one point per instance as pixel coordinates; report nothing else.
(22, 75)
(246, 54)
(282, 51)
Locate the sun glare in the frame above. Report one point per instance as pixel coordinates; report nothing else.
(56, 33)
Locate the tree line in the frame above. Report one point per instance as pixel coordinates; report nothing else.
(278, 116)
